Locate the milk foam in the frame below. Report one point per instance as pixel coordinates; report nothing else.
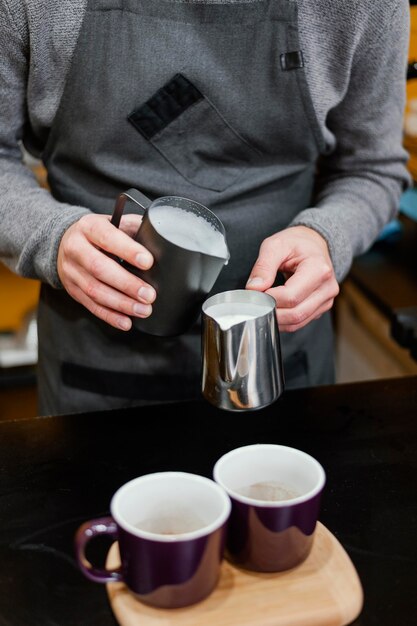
(227, 314)
(188, 230)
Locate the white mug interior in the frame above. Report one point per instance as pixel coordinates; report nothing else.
(269, 463)
(170, 506)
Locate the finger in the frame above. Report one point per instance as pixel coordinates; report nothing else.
(290, 328)
(311, 276)
(110, 298)
(130, 224)
(107, 271)
(111, 239)
(271, 256)
(109, 316)
(300, 310)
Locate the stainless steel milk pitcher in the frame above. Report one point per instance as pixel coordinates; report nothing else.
(242, 365)
(181, 276)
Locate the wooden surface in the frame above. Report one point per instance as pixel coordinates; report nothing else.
(18, 296)
(17, 404)
(323, 591)
(365, 349)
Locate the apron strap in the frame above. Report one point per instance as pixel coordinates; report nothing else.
(146, 387)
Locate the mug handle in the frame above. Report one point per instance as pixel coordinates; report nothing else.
(86, 532)
(131, 194)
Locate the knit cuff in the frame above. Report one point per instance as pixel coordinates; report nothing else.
(43, 264)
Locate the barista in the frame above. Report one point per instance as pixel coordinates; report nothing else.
(272, 113)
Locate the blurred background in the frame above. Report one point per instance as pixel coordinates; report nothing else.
(375, 315)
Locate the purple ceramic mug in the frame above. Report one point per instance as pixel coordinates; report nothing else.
(171, 530)
(275, 493)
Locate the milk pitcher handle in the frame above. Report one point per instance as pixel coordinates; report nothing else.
(131, 194)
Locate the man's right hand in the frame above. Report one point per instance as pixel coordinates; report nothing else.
(104, 287)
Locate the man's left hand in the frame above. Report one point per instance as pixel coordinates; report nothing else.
(302, 255)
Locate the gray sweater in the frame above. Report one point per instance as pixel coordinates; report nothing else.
(355, 53)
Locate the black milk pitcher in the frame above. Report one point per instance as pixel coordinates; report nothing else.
(186, 263)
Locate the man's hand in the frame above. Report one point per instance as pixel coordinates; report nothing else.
(302, 255)
(104, 287)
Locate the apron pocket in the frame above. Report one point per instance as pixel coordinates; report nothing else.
(189, 132)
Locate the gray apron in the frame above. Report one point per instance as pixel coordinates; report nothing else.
(206, 100)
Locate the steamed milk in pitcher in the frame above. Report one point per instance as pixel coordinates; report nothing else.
(189, 230)
(231, 313)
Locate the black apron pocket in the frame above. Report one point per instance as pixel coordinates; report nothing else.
(189, 132)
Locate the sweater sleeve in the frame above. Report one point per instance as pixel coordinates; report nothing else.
(360, 182)
(32, 223)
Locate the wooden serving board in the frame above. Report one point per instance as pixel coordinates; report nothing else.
(323, 591)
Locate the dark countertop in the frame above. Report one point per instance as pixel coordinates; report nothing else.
(57, 472)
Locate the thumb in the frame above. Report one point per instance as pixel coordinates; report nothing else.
(267, 264)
